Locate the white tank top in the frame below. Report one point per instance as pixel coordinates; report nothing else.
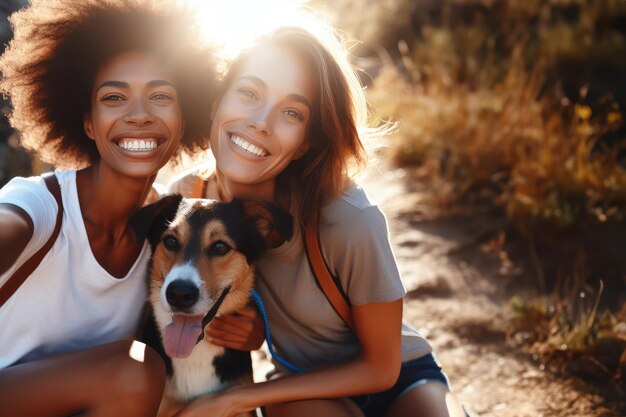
(69, 302)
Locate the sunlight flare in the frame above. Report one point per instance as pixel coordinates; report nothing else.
(137, 351)
(233, 25)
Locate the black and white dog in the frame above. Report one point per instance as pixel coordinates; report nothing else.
(202, 265)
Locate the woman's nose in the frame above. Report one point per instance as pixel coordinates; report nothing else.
(139, 113)
(262, 120)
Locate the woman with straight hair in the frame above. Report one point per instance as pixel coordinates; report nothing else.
(287, 128)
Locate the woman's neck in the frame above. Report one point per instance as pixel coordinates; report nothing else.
(107, 201)
(228, 190)
(107, 198)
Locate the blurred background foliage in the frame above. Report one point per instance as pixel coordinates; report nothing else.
(518, 103)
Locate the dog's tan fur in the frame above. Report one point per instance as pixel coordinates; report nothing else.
(231, 269)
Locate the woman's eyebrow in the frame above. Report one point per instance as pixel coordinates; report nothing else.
(294, 97)
(116, 84)
(256, 80)
(159, 83)
(300, 99)
(126, 86)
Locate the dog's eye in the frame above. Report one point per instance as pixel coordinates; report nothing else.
(170, 243)
(220, 248)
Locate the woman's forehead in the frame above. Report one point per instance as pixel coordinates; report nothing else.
(131, 65)
(279, 68)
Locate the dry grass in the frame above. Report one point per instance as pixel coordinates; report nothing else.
(488, 126)
(566, 333)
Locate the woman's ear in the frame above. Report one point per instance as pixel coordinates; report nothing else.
(87, 125)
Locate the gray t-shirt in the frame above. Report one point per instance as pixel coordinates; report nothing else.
(355, 244)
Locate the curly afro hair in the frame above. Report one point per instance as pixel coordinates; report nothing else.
(50, 66)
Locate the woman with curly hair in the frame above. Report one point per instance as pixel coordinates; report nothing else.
(110, 91)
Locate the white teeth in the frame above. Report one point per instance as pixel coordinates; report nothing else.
(130, 144)
(247, 146)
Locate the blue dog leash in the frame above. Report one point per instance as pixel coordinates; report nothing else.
(259, 303)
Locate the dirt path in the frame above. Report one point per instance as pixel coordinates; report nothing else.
(461, 309)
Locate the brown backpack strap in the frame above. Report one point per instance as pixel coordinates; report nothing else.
(199, 187)
(324, 278)
(27, 268)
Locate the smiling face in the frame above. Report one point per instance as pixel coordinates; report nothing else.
(262, 120)
(135, 116)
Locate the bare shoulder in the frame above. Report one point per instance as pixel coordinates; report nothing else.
(183, 184)
(16, 230)
(186, 182)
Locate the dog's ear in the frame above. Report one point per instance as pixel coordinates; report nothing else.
(266, 216)
(152, 220)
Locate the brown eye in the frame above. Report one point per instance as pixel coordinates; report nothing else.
(219, 248)
(171, 244)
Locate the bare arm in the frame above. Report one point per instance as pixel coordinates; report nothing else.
(378, 327)
(16, 230)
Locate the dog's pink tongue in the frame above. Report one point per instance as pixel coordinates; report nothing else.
(181, 335)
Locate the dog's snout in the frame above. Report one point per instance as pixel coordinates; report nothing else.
(182, 294)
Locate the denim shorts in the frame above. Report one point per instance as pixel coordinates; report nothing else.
(412, 374)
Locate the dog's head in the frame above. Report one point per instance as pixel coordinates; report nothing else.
(203, 254)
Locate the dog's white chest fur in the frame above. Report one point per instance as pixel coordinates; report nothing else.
(195, 375)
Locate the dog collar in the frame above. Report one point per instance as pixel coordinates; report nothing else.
(212, 312)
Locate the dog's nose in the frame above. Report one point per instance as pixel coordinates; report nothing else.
(182, 294)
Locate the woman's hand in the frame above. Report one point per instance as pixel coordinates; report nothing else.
(243, 330)
(214, 405)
